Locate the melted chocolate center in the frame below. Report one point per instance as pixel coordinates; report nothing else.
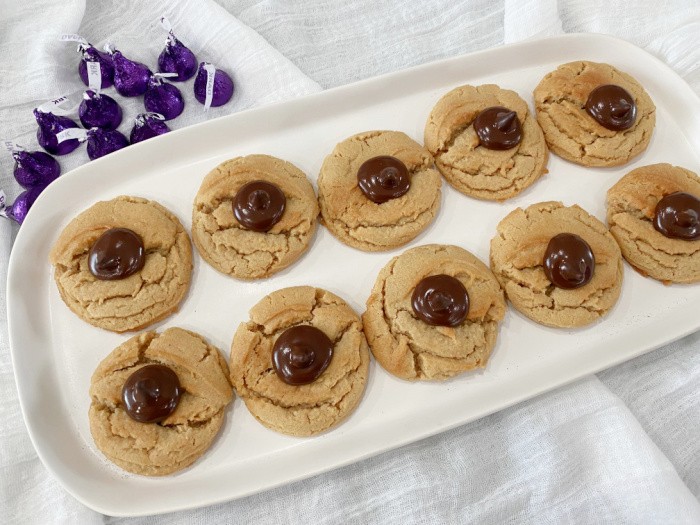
(678, 216)
(151, 393)
(259, 205)
(440, 300)
(612, 107)
(498, 128)
(568, 261)
(383, 178)
(301, 354)
(116, 254)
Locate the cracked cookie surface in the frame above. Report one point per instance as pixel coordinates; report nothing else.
(309, 409)
(412, 349)
(235, 250)
(357, 221)
(572, 133)
(517, 253)
(156, 449)
(141, 299)
(631, 208)
(471, 168)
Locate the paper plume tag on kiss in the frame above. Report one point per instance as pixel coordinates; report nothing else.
(94, 72)
(3, 205)
(60, 106)
(165, 24)
(209, 93)
(72, 37)
(11, 146)
(72, 133)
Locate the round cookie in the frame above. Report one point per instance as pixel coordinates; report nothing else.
(134, 302)
(357, 221)
(574, 135)
(517, 254)
(631, 210)
(408, 347)
(156, 449)
(472, 168)
(233, 249)
(308, 409)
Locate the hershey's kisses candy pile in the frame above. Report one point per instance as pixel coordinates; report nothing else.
(34, 170)
(100, 114)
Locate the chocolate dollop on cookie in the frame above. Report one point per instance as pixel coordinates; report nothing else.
(117, 254)
(498, 128)
(383, 178)
(151, 393)
(259, 205)
(568, 261)
(440, 300)
(677, 216)
(301, 354)
(612, 107)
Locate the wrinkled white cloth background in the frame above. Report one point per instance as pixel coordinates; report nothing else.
(619, 447)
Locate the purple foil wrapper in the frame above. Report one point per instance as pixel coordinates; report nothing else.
(223, 87)
(35, 168)
(98, 110)
(49, 126)
(130, 78)
(176, 58)
(163, 98)
(92, 54)
(146, 126)
(101, 142)
(19, 209)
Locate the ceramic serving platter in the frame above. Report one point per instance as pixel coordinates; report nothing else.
(54, 353)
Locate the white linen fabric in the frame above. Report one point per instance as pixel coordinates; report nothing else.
(619, 447)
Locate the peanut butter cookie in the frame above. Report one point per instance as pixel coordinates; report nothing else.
(659, 237)
(433, 313)
(123, 264)
(378, 190)
(485, 141)
(254, 216)
(301, 362)
(558, 265)
(158, 401)
(593, 114)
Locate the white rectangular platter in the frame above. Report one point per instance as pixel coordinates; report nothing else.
(54, 353)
